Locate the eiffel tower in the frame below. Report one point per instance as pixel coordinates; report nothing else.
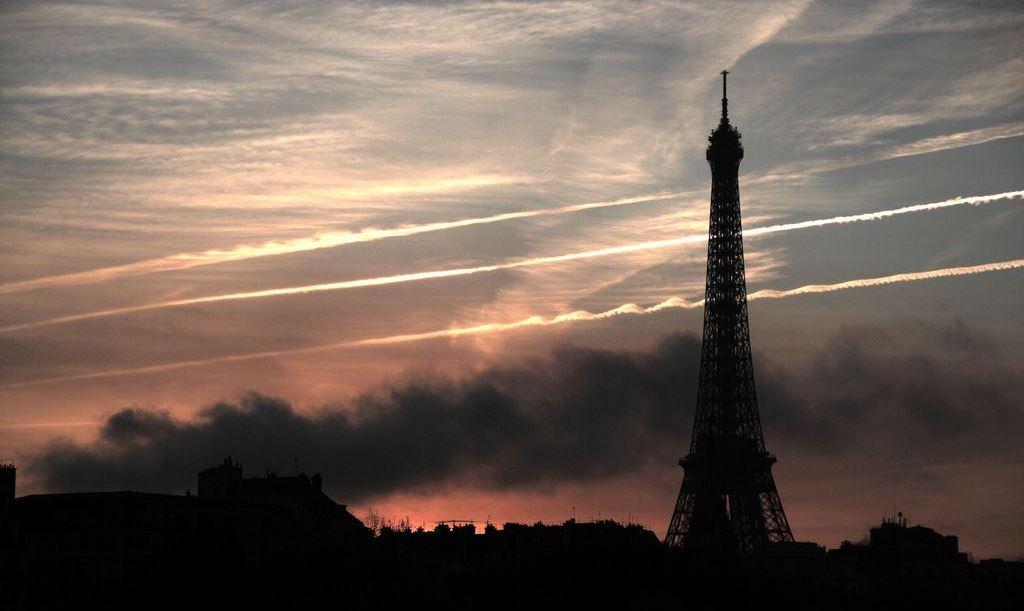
(728, 502)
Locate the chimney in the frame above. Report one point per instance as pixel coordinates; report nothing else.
(8, 475)
(219, 482)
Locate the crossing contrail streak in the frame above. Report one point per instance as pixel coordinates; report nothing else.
(341, 238)
(331, 239)
(974, 200)
(541, 321)
(466, 271)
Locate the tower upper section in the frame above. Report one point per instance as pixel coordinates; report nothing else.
(724, 142)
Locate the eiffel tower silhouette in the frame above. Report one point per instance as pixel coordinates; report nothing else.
(728, 502)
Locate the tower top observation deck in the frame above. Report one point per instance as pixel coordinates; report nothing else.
(724, 141)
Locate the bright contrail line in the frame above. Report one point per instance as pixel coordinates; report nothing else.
(335, 239)
(466, 271)
(331, 239)
(49, 425)
(541, 321)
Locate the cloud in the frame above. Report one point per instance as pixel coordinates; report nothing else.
(576, 415)
(920, 391)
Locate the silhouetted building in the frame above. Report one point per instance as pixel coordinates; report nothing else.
(577, 542)
(895, 545)
(80, 549)
(8, 477)
(894, 540)
(570, 565)
(728, 501)
(915, 567)
(302, 495)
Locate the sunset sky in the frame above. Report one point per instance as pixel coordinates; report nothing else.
(451, 254)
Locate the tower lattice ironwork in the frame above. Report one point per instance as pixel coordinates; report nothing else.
(728, 501)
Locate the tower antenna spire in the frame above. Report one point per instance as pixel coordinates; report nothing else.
(725, 99)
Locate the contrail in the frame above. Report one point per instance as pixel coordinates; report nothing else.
(541, 321)
(973, 200)
(466, 271)
(360, 283)
(318, 241)
(947, 272)
(49, 425)
(341, 238)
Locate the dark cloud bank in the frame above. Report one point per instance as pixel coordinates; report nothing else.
(577, 414)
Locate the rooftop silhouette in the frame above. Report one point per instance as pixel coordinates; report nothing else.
(279, 541)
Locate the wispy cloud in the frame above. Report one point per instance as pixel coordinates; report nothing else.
(959, 139)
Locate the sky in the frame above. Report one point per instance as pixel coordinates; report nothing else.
(451, 254)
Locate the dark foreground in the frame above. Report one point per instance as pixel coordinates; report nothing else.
(279, 542)
(570, 566)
